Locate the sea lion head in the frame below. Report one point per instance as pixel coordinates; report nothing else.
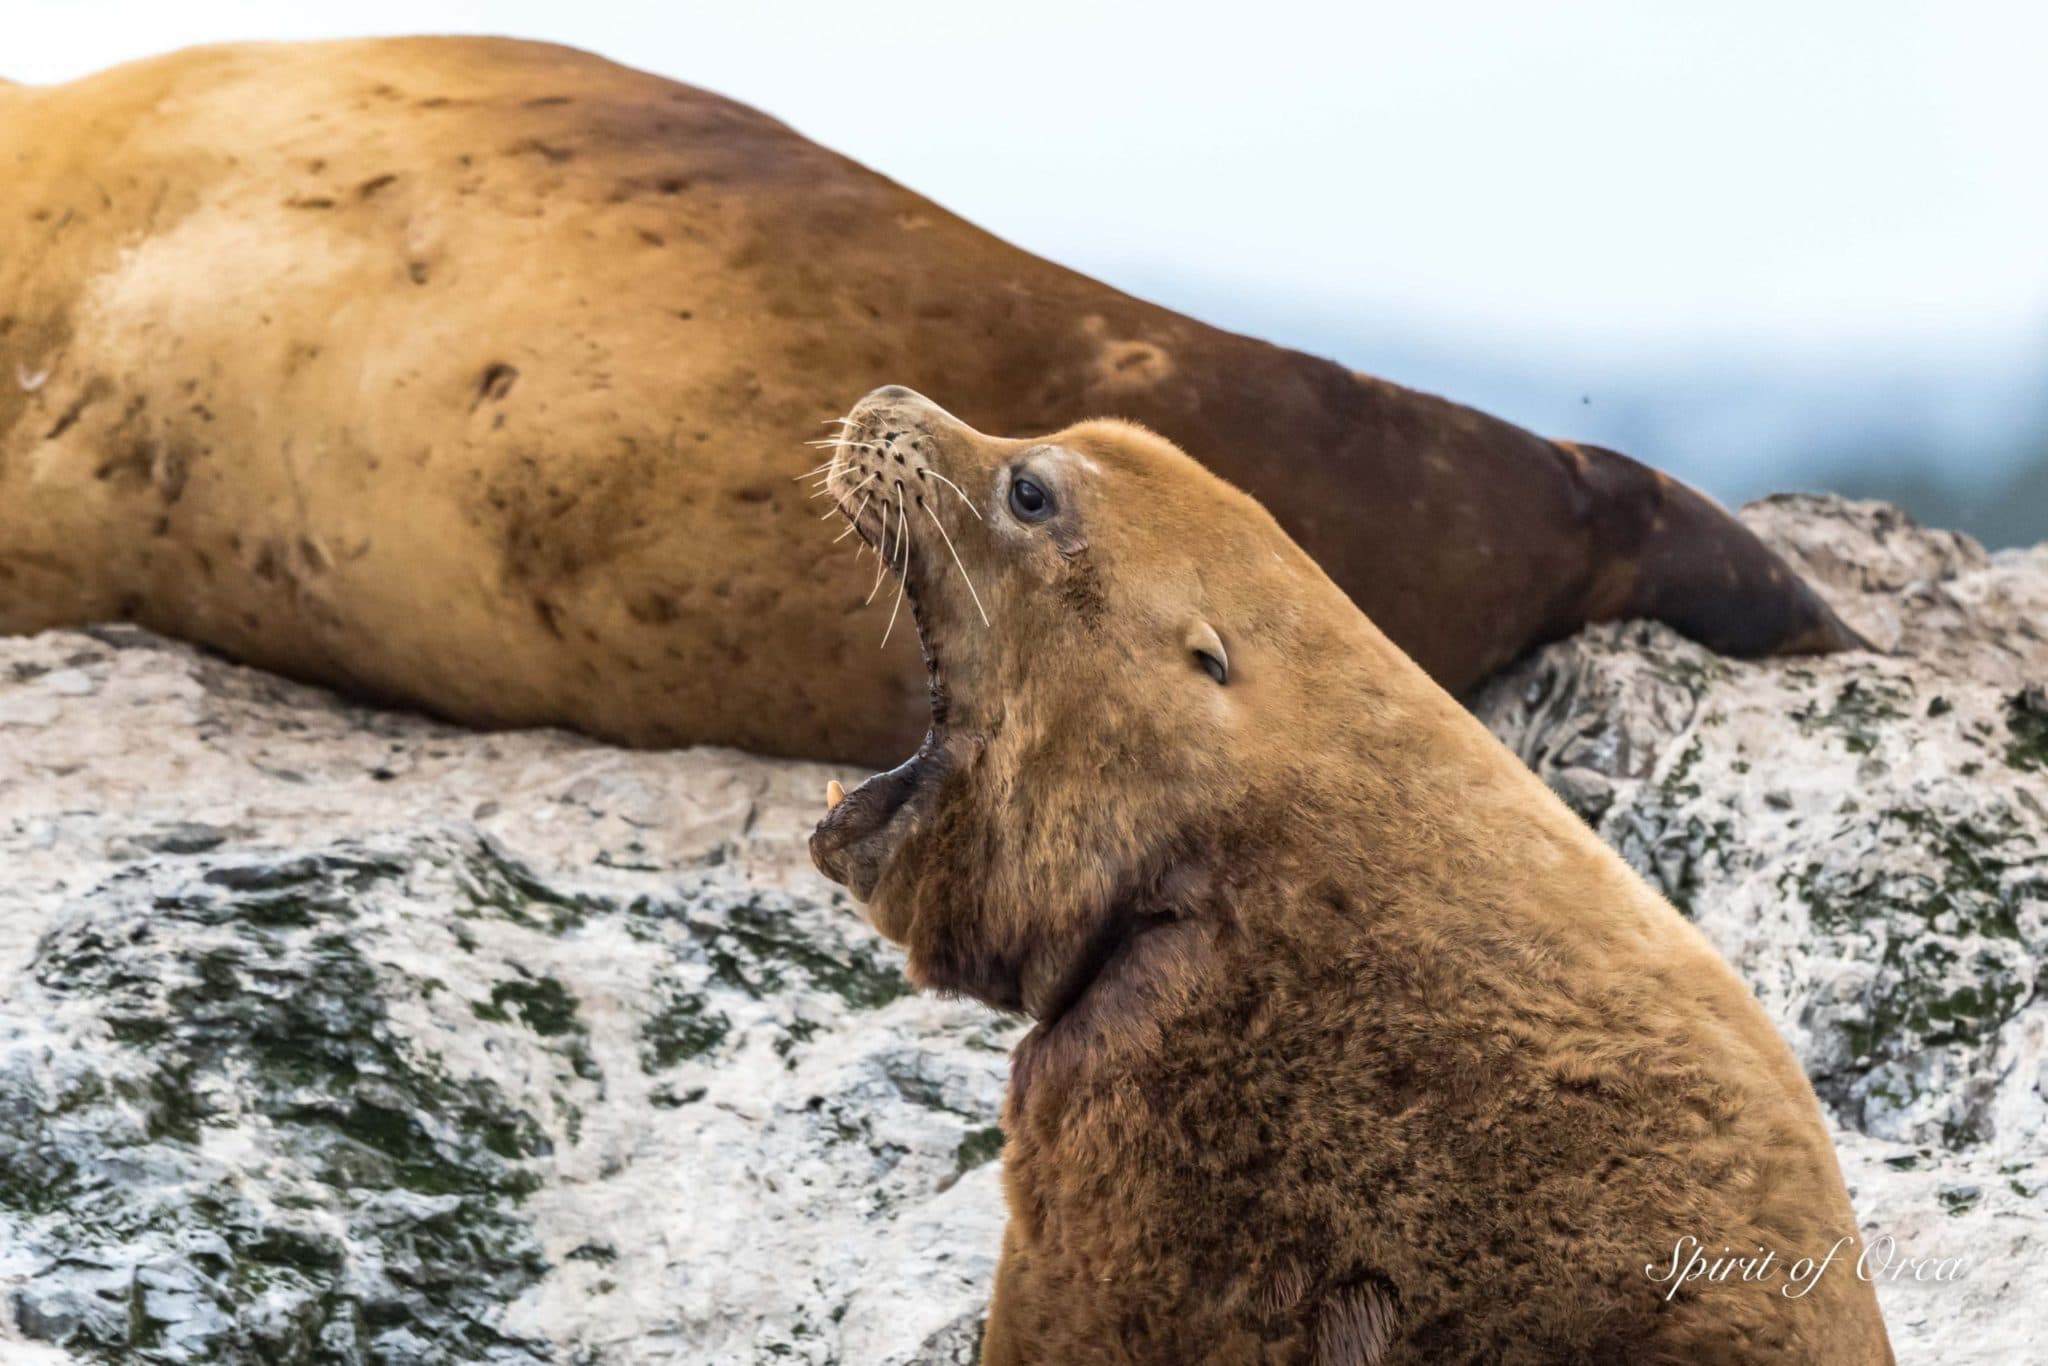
(1123, 653)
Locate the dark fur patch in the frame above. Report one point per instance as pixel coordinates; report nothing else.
(1081, 590)
(494, 383)
(1356, 1325)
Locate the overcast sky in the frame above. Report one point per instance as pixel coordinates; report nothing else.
(1800, 184)
(1618, 171)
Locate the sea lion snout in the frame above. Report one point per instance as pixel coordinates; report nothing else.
(895, 414)
(913, 479)
(909, 437)
(906, 403)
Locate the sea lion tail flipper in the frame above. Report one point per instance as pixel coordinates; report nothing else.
(1667, 552)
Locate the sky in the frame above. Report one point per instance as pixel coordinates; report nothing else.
(1740, 232)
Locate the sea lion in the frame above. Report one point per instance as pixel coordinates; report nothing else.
(1352, 1043)
(471, 374)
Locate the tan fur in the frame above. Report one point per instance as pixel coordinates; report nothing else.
(473, 374)
(1396, 1062)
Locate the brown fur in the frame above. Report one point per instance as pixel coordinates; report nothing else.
(1380, 1056)
(472, 373)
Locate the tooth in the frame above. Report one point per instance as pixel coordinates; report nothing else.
(834, 794)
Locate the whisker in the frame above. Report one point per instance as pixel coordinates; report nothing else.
(839, 504)
(902, 575)
(902, 560)
(853, 523)
(881, 557)
(956, 488)
(965, 577)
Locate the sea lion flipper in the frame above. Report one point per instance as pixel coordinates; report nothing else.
(1669, 553)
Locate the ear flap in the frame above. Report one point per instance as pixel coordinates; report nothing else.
(1207, 648)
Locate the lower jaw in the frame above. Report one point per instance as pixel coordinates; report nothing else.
(853, 845)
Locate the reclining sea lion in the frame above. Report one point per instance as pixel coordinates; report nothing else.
(471, 374)
(1352, 1043)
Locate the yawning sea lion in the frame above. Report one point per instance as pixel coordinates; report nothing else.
(1353, 1044)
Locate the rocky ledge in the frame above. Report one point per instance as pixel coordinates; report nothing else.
(332, 1035)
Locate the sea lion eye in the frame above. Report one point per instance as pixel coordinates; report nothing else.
(1030, 502)
(1206, 646)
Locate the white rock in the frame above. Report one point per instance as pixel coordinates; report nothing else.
(1866, 838)
(327, 1033)
(69, 683)
(23, 709)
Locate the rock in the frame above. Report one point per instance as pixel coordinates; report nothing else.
(336, 1035)
(1866, 838)
(69, 682)
(532, 1050)
(28, 711)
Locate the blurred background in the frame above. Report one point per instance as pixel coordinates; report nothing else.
(1763, 246)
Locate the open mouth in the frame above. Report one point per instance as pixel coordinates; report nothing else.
(863, 828)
